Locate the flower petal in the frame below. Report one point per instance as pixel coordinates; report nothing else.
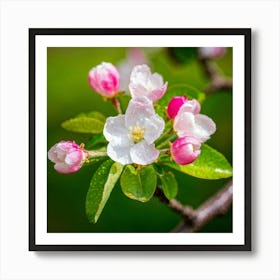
(156, 80)
(184, 124)
(137, 111)
(52, 154)
(137, 90)
(158, 93)
(144, 83)
(119, 153)
(205, 126)
(140, 75)
(143, 153)
(74, 157)
(65, 168)
(192, 106)
(115, 131)
(198, 126)
(153, 128)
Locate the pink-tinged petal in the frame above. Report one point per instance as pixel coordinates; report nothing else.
(65, 168)
(52, 154)
(185, 150)
(104, 79)
(154, 127)
(156, 80)
(144, 83)
(192, 106)
(115, 131)
(74, 157)
(142, 153)
(157, 94)
(138, 110)
(174, 106)
(184, 124)
(137, 90)
(140, 75)
(198, 126)
(119, 153)
(205, 127)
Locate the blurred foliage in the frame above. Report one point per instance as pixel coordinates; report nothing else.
(69, 94)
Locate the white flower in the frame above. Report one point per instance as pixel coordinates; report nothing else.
(144, 83)
(131, 136)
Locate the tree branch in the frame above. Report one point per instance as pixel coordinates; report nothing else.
(193, 220)
(217, 80)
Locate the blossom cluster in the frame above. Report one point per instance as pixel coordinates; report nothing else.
(131, 136)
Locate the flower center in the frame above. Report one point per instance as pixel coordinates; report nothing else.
(136, 133)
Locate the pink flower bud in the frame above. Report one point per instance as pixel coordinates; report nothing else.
(185, 150)
(174, 105)
(181, 103)
(104, 79)
(67, 156)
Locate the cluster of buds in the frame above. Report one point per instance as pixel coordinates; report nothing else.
(191, 127)
(131, 136)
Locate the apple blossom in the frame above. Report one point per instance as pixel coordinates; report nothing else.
(210, 52)
(187, 123)
(67, 156)
(177, 102)
(104, 79)
(131, 136)
(185, 150)
(144, 83)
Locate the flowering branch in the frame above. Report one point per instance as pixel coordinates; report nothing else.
(217, 80)
(141, 137)
(195, 219)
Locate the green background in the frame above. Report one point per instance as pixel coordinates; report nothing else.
(69, 94)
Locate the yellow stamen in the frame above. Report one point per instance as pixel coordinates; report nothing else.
(136, 133)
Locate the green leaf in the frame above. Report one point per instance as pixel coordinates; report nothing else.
(101, 186)
(93, 114)
(169, 184)
(96, 142)
(139, 184)
(211, 164)
(92, 122)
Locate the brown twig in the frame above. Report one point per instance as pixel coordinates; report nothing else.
(193, 220)
(217, 80)
(185, 211)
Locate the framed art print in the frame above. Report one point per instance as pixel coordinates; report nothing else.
(140, 139)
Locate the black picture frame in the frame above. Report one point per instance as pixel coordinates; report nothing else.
(246, 33)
